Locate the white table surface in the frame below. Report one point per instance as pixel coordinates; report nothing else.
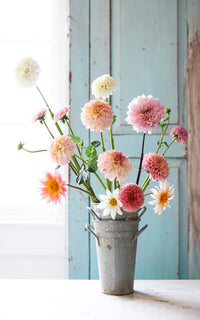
(82, 299)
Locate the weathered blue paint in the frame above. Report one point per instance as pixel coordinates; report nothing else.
(143, 44)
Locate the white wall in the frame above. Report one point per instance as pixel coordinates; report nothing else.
(32, 251)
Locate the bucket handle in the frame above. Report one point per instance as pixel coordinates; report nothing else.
(93, 213)
(139, 232)
(141, 214)
(91, 230)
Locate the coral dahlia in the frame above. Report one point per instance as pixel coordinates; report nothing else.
(162, 196)
(156, 165)
(27, 72)
(131, 196)
(180, 134)
(62, 149)
(103, 86)
(144, 113)
(114, 164)
(97, 115)
(52, 187)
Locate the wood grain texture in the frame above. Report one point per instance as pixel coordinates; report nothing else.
(194, 136)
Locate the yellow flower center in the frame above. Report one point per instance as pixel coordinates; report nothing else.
(53, 187)
(164, 198)
(113, 202)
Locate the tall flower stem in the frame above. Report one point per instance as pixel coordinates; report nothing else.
(51, 113)
(146, 183)
(48, 129)
(35, 151)
(141, 158)
(162, 136)
(71, 186)
(103, 149)
(103, 185)
(70, 129)
(168, 146)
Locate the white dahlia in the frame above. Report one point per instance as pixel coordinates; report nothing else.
(27, 72)
(103, 86)
(110, 204)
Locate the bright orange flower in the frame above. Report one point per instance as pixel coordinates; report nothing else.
(53, 187)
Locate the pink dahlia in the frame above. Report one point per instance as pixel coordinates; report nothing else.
(131, 196)
(145, 113)
(114, 164)
(61, 113)
(156, 165)
(180, 134)
(52, 187)
(40, 115)
(97, 115)
(62, 149)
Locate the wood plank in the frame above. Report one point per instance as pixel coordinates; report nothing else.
(194, 137)
(77, 240)
(99, 65)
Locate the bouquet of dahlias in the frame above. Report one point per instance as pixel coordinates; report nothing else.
(144, 114)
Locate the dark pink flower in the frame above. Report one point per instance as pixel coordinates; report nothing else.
(131, 196)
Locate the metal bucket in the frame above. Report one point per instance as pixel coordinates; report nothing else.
(116, 243)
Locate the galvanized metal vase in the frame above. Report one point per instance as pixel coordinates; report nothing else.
(116, 243)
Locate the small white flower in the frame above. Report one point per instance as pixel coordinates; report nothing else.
(162, 196)
(110, 204)
(27, 72)
(103, 86)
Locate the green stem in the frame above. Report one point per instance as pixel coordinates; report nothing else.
(146, 183)
(147, 194)
(72, 166)
(111, 138)
(103, 149)
(51, 113)
(162, 136)
(103, 185)
(169, 146)
(102, 142)
(30, 151)
(48, 129)
(69, 185)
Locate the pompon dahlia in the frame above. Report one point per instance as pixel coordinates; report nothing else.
(180, 134)
(40, 115)
(144, 113)
(103, 86)
(97, 115)
(52, 187)
(114, 164)
(27, 72)
(156, 165)
(162, 196)
(131, 196)
(62, 149)
(61, 114)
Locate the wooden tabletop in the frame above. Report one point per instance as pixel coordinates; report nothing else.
(82, 299)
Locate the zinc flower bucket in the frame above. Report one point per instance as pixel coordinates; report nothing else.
(116, 244)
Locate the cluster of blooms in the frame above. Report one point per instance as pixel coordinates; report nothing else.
(144, 114)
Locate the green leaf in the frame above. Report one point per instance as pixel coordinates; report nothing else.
(58, 166)
(92, 166)
(75, 139)
(158, 142)
(83, 175)
(95, 143)
(114, 119)
(166, 143)
(91, 152)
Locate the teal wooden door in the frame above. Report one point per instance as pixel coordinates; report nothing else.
(143, 45)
